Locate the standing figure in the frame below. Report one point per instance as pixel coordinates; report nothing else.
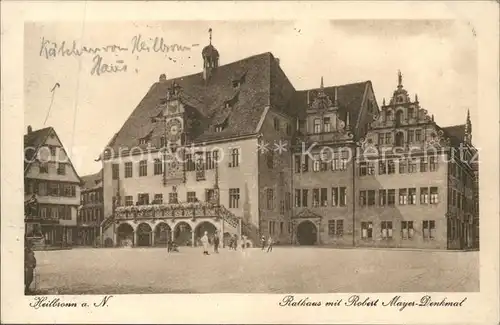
(29, 266)
(216, 242)
(204, 242)
(263, 242)
(235, 242)
(270, 244)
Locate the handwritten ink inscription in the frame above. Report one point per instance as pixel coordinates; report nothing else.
(44, 302)
(50, 50)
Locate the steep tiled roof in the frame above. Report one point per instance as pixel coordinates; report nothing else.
(92, 181)
(349, 98)
(32, 142)
(205, 101)
(456, 133)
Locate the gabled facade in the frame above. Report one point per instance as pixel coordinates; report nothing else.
(51, 188)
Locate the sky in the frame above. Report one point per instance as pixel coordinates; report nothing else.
(437, 58)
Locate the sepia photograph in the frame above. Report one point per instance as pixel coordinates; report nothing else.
(313, 162)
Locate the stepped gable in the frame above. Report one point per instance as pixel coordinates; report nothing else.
(349, 98)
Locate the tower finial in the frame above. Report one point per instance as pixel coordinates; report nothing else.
(400, 79)
(416, 98)
(321, 82)
(468, 124)
(210, 35)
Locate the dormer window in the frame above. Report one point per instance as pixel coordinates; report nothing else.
(227, 105)
(236, 84)
(219, 128)
(143, 141)
(326, 124)
(317, 125)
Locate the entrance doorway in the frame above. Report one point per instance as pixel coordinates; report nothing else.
(144, 235)
(182, 234)
(125, 234)
(307, 233)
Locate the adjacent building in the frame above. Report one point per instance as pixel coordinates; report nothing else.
(91, 212)
(51, 189)
(237, 150)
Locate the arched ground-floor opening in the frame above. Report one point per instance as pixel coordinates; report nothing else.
(125, 235)
(144, 235)
(163, 234)
(307, 233)
(203, 227)
(182, 234)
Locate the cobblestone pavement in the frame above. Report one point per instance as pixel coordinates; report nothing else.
(286, 269)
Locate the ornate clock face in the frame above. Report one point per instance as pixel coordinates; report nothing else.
(174, 129)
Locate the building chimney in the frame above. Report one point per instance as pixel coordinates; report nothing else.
(30, 129)
(163, 77)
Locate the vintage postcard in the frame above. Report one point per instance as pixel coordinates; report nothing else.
(306, 162)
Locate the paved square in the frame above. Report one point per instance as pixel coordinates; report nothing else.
(286, 269)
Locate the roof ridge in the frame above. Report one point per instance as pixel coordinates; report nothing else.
(333, 86)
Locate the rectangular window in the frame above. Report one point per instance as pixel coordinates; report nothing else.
(424, 195)
(276, 124)
(324, 197)
(298, 196)
(128, 169)
(380, 138)
(52, 151)
(434, 195)
(315, 197)
(402, 166)
(423, 164)
(335, 228)
(403, 196)
(316, 163)
(200, 168)
(386, 229)
(363, 168)
(391, 197)
(158, 167)
(142, 199)
(340, 228)
(366, 230)
(326, 124)
(412, 166)
(335, 164)
(331, 228)
(288, 200)
(129, 200)
(298, 164)
(317, 125)
(305, 195)
(382, 167)
(418, 135)
(43, 167)
(270, 198)
(115, 171)
(209, 195)
(172, 198)
(388, 138)
(371, 197)
(189, 163)
(235, 158)
(288, 129)
(382, 197)
(343, 163)
(407, 229)
(370, 168)
(362, 198)
(282, 207)
(411, 136)
(343, 197)
(433, 165)
(209, 163)
(335, 196)
(428, 229)
(391, 167)
(191, 197)
(412, 196)
(281, 227)
(61, 169)
(143, 168)
(305, 166)
(158, 199)
(234, 198)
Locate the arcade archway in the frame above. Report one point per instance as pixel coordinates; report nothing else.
(182, 234)
(203, 227)
(307, 233)
(163, 234)
(125, 235)
(144, 234)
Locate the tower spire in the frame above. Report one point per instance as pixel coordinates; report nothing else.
(321, 86)
(210, 35)
(400, 79)
(468, 128)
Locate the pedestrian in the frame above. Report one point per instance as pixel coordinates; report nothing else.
(235, 242)
(263, 242)
(204, 242)
(270, 244)
(216, 243)
(29, 266)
